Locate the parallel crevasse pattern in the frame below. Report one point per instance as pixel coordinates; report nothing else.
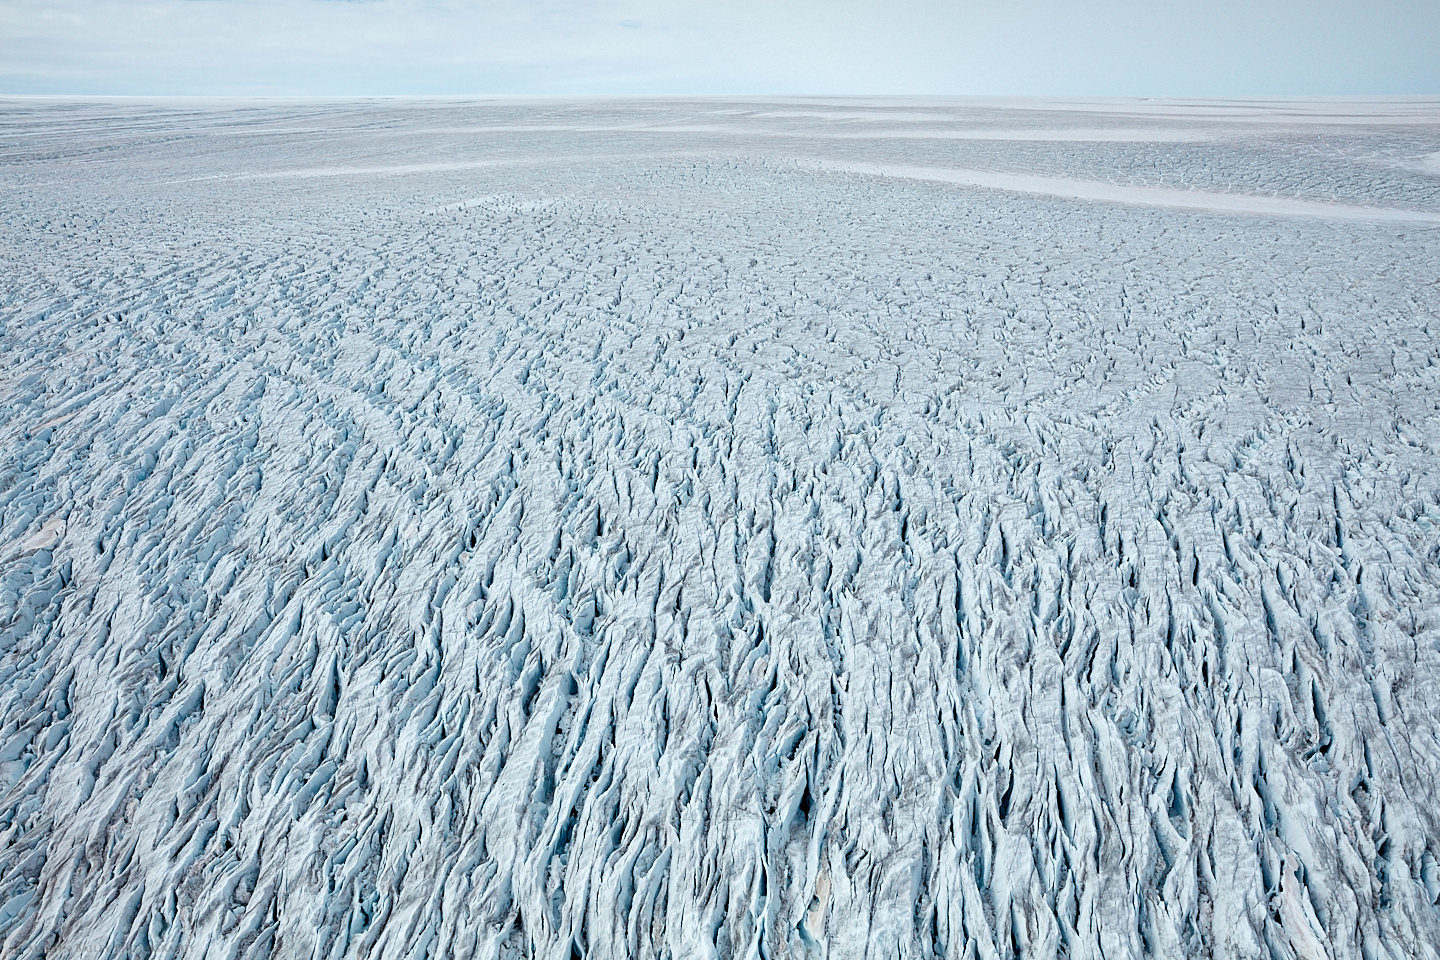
(668, 555)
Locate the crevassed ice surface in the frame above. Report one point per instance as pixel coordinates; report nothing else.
(720, 529)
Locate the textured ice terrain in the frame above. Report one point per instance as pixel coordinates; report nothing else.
(722, 529)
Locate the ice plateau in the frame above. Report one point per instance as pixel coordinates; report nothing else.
(764, 528)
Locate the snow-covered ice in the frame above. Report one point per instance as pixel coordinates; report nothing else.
(719, 529)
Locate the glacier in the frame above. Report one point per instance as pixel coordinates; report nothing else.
(720, 528)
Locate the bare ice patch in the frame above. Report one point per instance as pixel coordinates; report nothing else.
(47, 536)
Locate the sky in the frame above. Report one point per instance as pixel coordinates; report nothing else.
(649, 47)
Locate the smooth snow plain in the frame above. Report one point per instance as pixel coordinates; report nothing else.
(785, 528)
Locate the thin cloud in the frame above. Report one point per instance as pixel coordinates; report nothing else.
(339, 47)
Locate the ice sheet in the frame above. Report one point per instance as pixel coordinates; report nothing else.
(587, 539)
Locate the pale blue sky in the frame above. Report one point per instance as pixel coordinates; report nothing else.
(1022, 47)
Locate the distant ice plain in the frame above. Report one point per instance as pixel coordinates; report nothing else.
(750, 528)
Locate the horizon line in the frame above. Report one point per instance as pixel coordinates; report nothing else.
(1027, 97)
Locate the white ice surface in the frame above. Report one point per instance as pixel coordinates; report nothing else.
(1208, 200)
(1430, 164)
(520, 529)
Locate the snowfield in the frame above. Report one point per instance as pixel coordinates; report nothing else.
(851, 529)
